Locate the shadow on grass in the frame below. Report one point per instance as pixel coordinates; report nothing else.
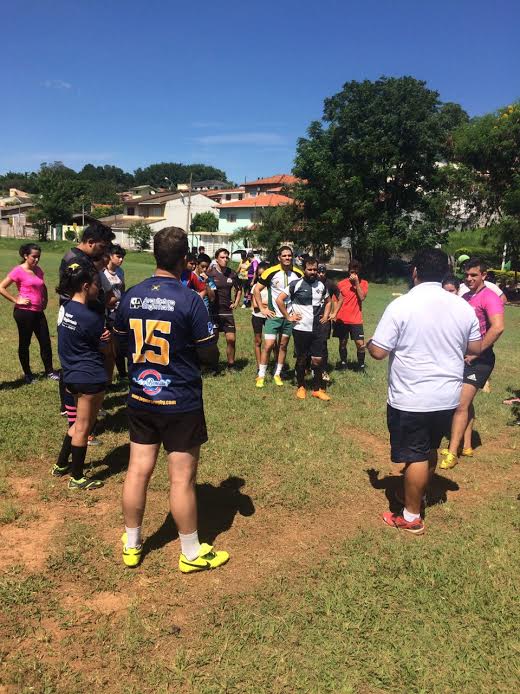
(392, 484)
(12, 385)
(217, 508)
(115, 462)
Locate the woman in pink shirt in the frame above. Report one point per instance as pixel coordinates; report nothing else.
(29, 307)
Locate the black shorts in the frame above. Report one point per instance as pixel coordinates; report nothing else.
(224, 323)
(325, 330)
(477, 373)
(85, 388)
(177, 432)
(345, 330)
(308, 343)
(413, 435)
(258, 324)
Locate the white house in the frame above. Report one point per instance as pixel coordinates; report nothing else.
(159, 211)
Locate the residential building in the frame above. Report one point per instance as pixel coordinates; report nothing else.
(274, 184)
(158, 211)
(225, 194)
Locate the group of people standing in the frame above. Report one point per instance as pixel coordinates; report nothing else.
(167, 327)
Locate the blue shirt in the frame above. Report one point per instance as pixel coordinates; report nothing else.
(164, 321)
(79, 331)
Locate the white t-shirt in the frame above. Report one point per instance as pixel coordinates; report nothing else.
(426, 332)
(490, 285)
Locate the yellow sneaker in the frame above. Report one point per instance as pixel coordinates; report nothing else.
(278, 380)
(448, 461)
(131, 555)
(208, 559)
(321, 395)
(301, 393)
(467, 452)
(259, 382)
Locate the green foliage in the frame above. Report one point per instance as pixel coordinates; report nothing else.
(204, 221)
(99, 212)
(274, 226)
(371, 167)
(141, 233)
(156, 174)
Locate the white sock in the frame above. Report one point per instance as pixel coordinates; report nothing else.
(190, 545)
(262, 370)
(410, 517)
(133, 537)
(279, 368)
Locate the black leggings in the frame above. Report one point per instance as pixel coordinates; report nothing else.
(30, 322)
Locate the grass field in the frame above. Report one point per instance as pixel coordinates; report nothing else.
(318, 596)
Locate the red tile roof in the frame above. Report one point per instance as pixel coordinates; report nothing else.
(264, 200)
(278, 180)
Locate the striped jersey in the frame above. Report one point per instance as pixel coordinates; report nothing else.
(307, 299)
(277, 280)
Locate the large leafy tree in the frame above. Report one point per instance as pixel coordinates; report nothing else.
(170, 173)
(371, 166)
(204, 221)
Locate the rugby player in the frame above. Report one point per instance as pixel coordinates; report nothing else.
(348, 315)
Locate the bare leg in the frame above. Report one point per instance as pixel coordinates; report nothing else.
(416, 478)
(258, 348)
(469, 429)
(282, 352)
(86, 414)
(230, 348)
(182, 469)
(461, 417)
(140, 468)
(266, 350)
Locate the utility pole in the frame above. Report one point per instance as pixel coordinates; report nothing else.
(188, 211)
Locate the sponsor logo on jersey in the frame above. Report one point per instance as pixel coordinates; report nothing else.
(156, 287)
(210, 328)
(154, 303)
(151, 381)
(136, 302)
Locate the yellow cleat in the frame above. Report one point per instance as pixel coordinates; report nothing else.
(321, 395)
(300, 393)
(131, 555)
(259, 382)
(467, 452)
(278, 380)
(208, 559)
(448, 461)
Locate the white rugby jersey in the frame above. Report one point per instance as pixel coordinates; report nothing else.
(307, 299)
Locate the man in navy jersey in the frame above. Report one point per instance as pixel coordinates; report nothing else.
(168, 335)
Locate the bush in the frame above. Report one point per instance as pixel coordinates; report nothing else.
(142, 234)
(503, 276)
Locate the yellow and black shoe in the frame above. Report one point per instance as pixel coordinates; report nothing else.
(208, 559)
(85, 483)
(58, 471)
(131, 555)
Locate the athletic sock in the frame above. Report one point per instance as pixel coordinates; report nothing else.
(190, 545)
(262, 370)
(63, 458)
(343, 355)
(133, 537)
(278, 369)
(79, 454)
(300, 374)
(410, 517)
(361, 359)
(317, 381)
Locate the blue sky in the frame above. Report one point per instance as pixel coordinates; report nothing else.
(229, 84)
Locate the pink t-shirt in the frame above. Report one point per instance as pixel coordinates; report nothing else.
(30, 286)
(486, 304)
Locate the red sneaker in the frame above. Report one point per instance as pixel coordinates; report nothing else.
(394, 520)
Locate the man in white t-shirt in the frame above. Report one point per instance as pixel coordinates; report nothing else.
(426, 333)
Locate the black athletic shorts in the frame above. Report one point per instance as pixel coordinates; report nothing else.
(85, 388)
(258, 324)
(308, 343)
(177, 432)
(413, 435)
(224, 323)
(325, 330)
(478, 372)
(346, 330)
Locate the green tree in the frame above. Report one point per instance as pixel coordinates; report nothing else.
(141, 233)
(204, 221)
(170, 173)
(371, 167)
(274, 226)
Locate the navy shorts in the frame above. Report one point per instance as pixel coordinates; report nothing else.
(177, 432)
(85, 388)
(414, 435)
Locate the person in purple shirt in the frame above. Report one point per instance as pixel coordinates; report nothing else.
(490, 313)
(29, 307)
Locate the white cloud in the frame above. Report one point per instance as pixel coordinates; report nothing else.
(255, 139)
(56, 84)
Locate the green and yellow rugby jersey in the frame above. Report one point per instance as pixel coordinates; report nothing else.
(276, 279)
